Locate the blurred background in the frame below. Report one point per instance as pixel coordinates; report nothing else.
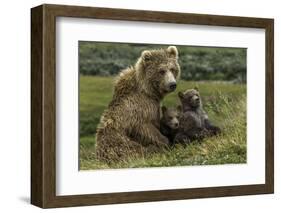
(197, 63)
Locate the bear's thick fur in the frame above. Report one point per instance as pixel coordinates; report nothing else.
(130, 126)
(194, 121)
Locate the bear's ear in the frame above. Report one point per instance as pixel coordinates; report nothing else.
(196, 88)
(179, 108)
(181, 95)
(164, 109)
(173, 51)
(146, 56)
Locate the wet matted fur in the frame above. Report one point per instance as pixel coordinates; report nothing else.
(130, 126)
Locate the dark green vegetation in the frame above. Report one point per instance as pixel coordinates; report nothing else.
(224, 102)
(197, 63)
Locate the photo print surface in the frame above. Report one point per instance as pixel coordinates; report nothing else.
(148, 105)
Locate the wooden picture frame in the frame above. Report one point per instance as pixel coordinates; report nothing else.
(43, 105)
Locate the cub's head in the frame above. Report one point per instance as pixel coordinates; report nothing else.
(158, 70)
(170, 116)
(190, 99)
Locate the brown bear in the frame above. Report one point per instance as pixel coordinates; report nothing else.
(194, 121)
(169, 122)
(130, 127)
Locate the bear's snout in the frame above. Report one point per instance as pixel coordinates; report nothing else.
(174, 125)
(172, 86)
(170, 82)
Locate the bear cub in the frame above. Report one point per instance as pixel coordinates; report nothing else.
(169, 122)
(194, 121)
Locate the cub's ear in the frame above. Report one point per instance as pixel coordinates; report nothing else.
(196, 88)
(173, 51)
(179, 108)
(164, 109)
(181, 95)
(146, 56)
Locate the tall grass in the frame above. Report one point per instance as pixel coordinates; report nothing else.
(225, 104)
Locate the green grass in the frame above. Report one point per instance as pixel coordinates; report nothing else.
(225, 104)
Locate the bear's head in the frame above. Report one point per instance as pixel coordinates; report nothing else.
(190, 99)
(158, 70)
(170, 116)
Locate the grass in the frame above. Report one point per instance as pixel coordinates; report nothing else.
(225, 104)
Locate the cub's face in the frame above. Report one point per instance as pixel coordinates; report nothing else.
(190, 98)
(170, 116)
(161, 69)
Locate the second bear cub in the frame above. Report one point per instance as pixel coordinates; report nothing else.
(194, 121)
(169, 122)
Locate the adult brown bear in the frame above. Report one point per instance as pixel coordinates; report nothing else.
(130, 125)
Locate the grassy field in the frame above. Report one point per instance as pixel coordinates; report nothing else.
(224, 102)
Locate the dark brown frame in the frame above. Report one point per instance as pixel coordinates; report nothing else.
(43, 106)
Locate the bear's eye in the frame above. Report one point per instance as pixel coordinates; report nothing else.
(162, 71)
(171, 118)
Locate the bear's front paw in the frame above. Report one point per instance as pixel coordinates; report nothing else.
(214, 130)
(164, 143)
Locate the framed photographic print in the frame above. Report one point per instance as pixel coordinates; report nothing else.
(137, 106)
